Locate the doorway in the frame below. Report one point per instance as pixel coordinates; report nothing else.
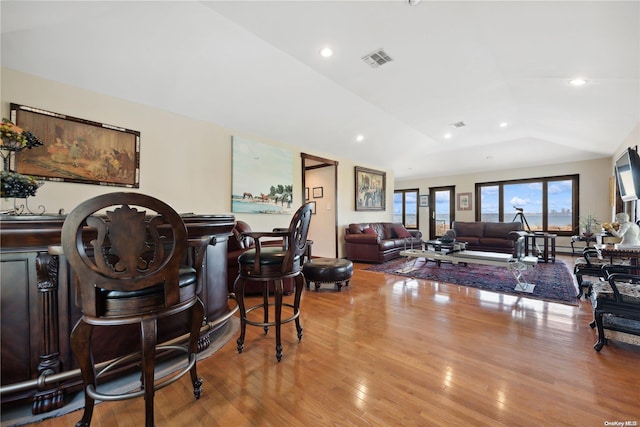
(441, 210)
(320, 186)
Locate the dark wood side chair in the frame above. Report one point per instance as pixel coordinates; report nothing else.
(617, 296)
(268, 264)
(129, 269)
(592, 263)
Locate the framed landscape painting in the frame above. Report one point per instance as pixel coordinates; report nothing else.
(78, 150)
(262, 180)
(371, 187)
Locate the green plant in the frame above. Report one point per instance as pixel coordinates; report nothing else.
(17, 185)
(13, 139)
(589, 224)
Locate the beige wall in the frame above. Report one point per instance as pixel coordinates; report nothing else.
(187, 162)
(184, 161)
(593, 196)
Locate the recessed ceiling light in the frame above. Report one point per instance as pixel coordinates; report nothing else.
(503, 124)
(360, 138)
(447, 136)
(326, 52)
(577, 82)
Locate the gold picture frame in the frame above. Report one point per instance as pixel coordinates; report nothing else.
(77, 150)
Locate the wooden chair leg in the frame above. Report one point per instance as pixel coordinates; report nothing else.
(148, 335)
(600, 327)
(197, 315)
(81, 347)
(278, 317)
(265, 301)
(579, 279)
(299, 282)
(238, 289)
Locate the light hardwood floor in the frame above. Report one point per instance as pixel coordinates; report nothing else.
(388, 351)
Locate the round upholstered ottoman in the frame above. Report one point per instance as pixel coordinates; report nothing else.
(328, 270)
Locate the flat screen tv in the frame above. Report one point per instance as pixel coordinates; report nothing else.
(628, 175)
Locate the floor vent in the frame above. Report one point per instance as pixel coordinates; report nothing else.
(377, 58)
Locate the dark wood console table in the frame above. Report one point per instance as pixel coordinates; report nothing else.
(581, 238)
(38, 309)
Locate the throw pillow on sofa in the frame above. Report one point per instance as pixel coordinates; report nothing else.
(401, 232)
(369, 230)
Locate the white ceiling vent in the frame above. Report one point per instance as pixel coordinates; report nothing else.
(458, 124)
(377, 58)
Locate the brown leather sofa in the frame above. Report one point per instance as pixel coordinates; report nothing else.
(489, 236)
(379, 241)
(235, 248)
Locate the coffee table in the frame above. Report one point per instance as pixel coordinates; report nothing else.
(515, 265)
(446, 247)
(443, 247)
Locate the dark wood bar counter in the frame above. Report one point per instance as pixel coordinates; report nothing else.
(38, 308)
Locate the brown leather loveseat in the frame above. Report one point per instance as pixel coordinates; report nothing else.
(379, 241)
(489, 236)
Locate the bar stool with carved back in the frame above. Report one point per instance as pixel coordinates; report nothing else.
(128, 267)
(274, 264)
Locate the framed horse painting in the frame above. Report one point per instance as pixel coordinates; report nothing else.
(262, 180)
(77, 150)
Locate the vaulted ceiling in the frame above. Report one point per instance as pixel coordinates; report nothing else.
(255, 67)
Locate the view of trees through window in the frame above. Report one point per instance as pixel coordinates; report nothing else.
(547, 204)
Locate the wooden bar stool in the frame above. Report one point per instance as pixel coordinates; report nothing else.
(274, 264)
(129, 269)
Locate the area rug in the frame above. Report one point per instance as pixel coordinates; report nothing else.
(22, 415)
(553, 281)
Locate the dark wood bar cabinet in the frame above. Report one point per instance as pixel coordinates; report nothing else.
(38, 308)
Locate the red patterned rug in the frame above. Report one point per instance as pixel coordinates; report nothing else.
(554, 281)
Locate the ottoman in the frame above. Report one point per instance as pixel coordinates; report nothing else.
(328, 270)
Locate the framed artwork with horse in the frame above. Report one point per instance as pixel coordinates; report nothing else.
(262, 180)
(371, 187)
(78, 150)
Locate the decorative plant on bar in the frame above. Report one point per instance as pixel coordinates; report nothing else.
(14, 184)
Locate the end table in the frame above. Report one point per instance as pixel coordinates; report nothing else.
(582, 238)
(547, 252)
